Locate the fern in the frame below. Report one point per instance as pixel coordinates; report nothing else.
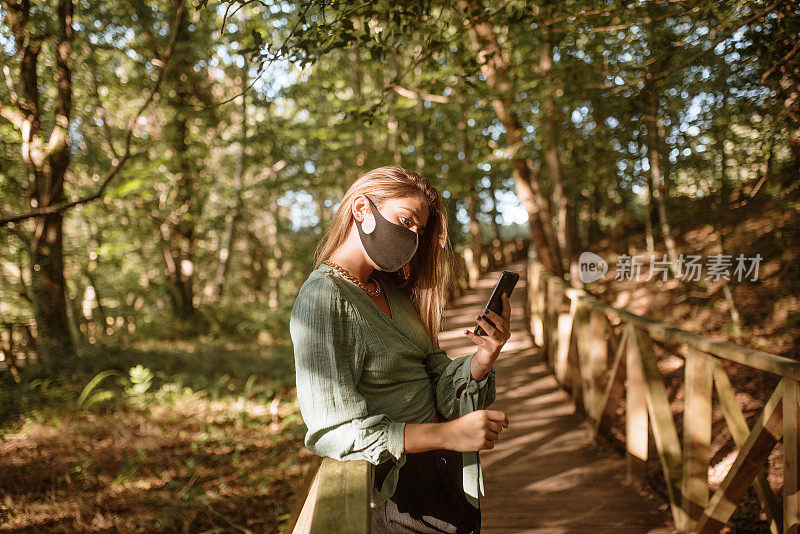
(82, 403)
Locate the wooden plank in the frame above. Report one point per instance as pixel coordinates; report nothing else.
(750, 460)
(341, 504)
(613, 341)
(597, 360)
(636, 424)
(615, 387)
(582, 340)
(536, 304)
(696, 433)
(791, 524)
(553, 310)
(574, 381)
(664, 433)
(303, 491)
(541, 296)
(564, 332)
(737, 424)
(303, 523)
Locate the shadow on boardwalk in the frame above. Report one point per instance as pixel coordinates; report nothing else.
(544, 475)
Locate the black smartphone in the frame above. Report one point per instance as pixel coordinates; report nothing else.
(505, 285)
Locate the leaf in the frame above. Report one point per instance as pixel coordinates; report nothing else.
(93, 383)
(126, 188)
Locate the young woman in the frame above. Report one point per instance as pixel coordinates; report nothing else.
(372, 382)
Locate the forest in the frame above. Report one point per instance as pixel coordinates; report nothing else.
(167, 168)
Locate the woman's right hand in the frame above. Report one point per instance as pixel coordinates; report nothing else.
(475, 431)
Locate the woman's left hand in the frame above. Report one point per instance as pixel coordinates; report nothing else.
(498, 330)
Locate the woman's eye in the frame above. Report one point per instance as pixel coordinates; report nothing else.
(404, 221)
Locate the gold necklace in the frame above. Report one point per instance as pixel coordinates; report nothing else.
(344, 272)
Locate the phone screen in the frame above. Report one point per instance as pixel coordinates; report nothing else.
(505, 285)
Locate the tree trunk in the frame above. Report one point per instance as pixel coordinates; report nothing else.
(495, 213)
(273, 264)
(232, 218)
(356, 85)
(724, 203)
(654, 157)
(392, 125)
(595, 203)
(494, 66)
(178, 229)
(47, 162)
(651, 120)
(566, 231)
(469, 172)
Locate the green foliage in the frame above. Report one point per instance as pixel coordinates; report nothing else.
(144, 377)
(89, 397)
(139, 382)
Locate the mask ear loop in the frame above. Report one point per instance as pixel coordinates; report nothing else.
(369, 207)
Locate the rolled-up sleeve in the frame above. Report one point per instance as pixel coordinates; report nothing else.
(450, 379)
(328, 362)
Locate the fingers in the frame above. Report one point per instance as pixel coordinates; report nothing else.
(501, 323)
(494, 426)
(488, 326)
(506, 307)
(500, 417)
(478, 340)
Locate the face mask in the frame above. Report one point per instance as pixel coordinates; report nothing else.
(389, 245)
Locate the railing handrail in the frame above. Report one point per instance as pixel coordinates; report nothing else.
(757, 359)
(337, 501)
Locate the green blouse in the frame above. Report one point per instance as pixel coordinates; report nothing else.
(361, 376)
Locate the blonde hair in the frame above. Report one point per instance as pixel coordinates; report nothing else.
(427, 276)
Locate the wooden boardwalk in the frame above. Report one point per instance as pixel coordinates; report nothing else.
(544, 475)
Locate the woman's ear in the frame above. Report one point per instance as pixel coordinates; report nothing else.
(362, 213)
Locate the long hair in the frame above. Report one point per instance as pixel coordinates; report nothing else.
(427, 276)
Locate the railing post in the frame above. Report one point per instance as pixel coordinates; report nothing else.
(696, 434)
(592, 357)
(563, 335)
(532, 302)
(636, 424)
(538, 311)
(790, 471)
(555, 302)
(472, 267)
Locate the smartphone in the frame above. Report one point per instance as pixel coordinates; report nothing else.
(505, 285)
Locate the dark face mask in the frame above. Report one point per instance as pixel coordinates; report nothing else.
(389, 245)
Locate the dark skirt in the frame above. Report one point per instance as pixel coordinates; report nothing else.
(429, 497)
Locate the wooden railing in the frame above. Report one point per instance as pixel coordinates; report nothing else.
(604, 371)
(470, 264)
(337, 493)
(337, 501)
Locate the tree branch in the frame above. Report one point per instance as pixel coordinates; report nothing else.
(14, 116)
(655, 77)
(419, 94)
(716, 42)
(114, 171)
(784, 60)
(10, 85)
